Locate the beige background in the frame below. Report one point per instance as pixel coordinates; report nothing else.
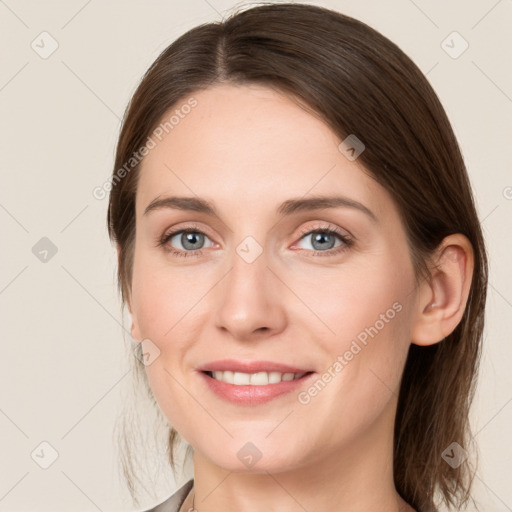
(63, 368)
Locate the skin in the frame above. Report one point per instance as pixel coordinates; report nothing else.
(247, 149)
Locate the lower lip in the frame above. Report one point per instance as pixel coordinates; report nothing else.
(252, 395)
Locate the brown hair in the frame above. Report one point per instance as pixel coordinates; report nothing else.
(360, 83)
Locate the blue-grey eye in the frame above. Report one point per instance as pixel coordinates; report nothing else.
(189, 240)
(322, 240)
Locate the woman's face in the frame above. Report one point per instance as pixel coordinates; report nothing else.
(261, 281)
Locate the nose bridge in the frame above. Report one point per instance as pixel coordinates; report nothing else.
(248, 298)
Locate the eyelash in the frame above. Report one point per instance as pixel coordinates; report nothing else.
(347, 242)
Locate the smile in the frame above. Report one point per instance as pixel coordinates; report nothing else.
(253, 379)
(252, 389)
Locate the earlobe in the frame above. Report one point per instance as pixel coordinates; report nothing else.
(443, 298)
(134, 328)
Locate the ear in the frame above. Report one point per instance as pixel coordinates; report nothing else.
(442, 299)
(134, 329)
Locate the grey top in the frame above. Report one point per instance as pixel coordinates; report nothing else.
(175, 501)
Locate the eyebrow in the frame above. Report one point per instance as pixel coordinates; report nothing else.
(288, 207)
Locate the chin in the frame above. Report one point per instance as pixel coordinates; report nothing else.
(257, 456)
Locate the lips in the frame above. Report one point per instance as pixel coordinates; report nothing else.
(249, 394)
(251, 367)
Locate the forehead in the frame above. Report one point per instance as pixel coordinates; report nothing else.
(249, 145)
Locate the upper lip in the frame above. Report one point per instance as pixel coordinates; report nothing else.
(250, 367)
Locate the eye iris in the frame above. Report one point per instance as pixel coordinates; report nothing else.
(321, 237)
(189, 239)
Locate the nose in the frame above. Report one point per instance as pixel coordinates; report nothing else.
(249, 300)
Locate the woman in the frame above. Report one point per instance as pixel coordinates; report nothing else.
(302, 377)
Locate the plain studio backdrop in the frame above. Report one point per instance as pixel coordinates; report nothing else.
(67, 72)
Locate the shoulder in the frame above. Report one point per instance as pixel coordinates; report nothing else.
(174, 502)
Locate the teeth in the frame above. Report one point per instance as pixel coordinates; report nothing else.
(254, 379)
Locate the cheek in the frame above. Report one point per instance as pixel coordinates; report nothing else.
(352, 301)
(163, 307)
(363, 319)
(366, 353)
(159, 297)
(169, 306)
